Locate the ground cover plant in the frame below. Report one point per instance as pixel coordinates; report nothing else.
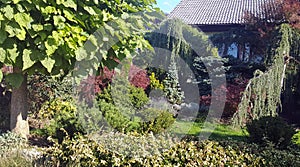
(11, 148)
(192, 153)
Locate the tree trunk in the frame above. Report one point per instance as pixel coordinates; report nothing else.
(240, 52)
(19, 110)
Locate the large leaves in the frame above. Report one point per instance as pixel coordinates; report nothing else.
(15, 79)
(50, 33)
(51, 46)
(14, 30)
(48, 63)
(2, 55)
(23, 19)
(8, 12)
(12, 54)
(29, 58)
(68, 3)
(3, 36)
(59, 22)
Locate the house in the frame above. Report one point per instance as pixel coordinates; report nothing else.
(218, 16)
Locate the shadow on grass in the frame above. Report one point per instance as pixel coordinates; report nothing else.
(218, 136)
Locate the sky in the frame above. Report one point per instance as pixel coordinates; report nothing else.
(167, 5)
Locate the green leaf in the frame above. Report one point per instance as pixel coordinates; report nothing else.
(20, 8)
(43, 35)
(13, 53)
(131, 9)
(76, 29)
(11, 29)
(90, 10)
(48, 63)
(15, 30)
(23, 19)
(81, 54)
(48, 27)
(28, 59)
(14, 79)
(59, 21)
(48, 10)
(32, 33)
(21, 35)
(1, 17)
(1, 75)
(71, 43)
(67, 3)
(69, 15)
(2, 55)
(70, 3)
(105, 15)
(8, 12)
(37, 27)
(50, 45)
(56, 36)
(16, 1)
(3, 36)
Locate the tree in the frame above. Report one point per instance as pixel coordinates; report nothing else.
(273, 14)
(291, 10)
(45, 35)
(192, 64)
(260, 28)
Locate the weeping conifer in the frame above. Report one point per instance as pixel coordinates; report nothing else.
(179, 49)
(262, 96)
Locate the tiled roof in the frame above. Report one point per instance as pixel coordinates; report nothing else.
(215, 12)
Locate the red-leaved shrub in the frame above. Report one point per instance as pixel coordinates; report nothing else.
(138, 77)
(233, 96)
(93, 85)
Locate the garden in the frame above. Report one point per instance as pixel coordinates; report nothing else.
(115, 83)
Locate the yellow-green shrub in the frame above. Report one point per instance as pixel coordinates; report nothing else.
(63, 119)
(86, 152)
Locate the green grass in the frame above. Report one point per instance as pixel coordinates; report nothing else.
(215, 131)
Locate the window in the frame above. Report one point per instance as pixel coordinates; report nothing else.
(233, 50)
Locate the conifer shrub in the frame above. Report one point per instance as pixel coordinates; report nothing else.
(114, 118)
(270, 130)
(155, 83)
(138, 97)
(63, 119)
(171, 84)
(296, 139)
(44, 88)
(125, 108)
(155, 120)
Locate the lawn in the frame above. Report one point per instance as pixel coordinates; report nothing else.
(214, 130)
